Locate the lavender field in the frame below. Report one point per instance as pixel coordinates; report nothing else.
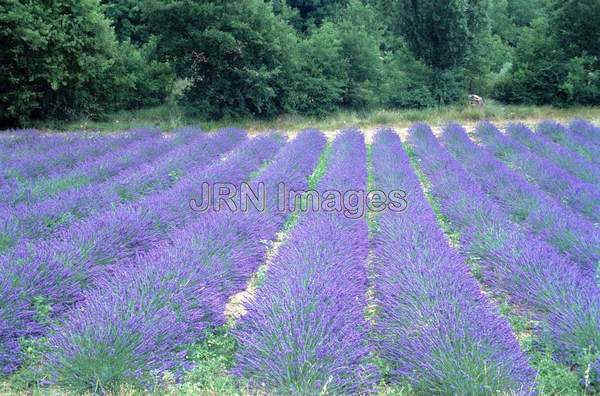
(425, 261)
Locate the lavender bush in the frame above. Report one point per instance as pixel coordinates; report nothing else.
(117, 336)
(58, 158)
(564, 180)
(565, 137)
(515, 263)
(564, 158)
(44, 218)
(305, 331)
(59, 269)
(433, 325)
(588, 131)
(97, 169)
(562, 227)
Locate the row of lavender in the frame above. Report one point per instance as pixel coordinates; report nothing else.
(57, 271)
(537, 279)
(434, 325)
(305, 332)
(169, 294)
(562, 227)
(189, 150)
(167, 298)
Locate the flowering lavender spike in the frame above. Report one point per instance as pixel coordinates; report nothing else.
(569, 151)
(583, 197)
(305, 331)
(515, 263)
(150, 144)
(562, 227)
(61, 157)
(433, 325)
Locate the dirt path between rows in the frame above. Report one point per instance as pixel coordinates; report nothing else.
(401, 129)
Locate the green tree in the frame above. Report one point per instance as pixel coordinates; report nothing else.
(361, 35)
(322, 77)
(128, 19)
(557, 60)
(575, 26)
(538, 68)
(239, 57)
(313, 12)
(445, 36)
(440, 33)
(54, 57)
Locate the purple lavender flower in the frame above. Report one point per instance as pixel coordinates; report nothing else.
(567, 138)
(588, 131)
(305, 331)
(42, 219)
(514, 262)
(97, 169)
(61, 157)
(434, 326)
(583, 197)
(116, 335)
(564, 158)
(81, 255)
(562, 227)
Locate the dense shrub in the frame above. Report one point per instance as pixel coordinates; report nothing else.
(136, 79)
(238, 55)
(322, 79)
(128, 19)
(406, 82)
(557, 60)
(54, 56)
(60, 60)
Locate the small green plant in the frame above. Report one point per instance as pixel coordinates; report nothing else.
(213, 358)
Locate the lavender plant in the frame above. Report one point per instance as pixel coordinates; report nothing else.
(44, 218)
(588, 131)
(305, 331)
(117, 336)
(96, 169)
(515, 263)
(59, 269)
(563, 228)
(564, 158)
(565, 137)
(59, 158)
(434, 325)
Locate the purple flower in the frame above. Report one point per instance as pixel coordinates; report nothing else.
(82, 254)
(305, 331)
(136, 325)
(563, 228)
(515, 263)
(433, 324)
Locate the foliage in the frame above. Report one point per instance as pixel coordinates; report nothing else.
(537, 71)
(128, 19)
(558, 58)
(323, 81)
(239, 56)
(310, 13)
(438, 33)
(61, 60)
(406, 82)
(55, 55)
(138, 80)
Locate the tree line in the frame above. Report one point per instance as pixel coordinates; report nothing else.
(63, 59)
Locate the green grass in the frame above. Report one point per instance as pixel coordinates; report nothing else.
(170, 116)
